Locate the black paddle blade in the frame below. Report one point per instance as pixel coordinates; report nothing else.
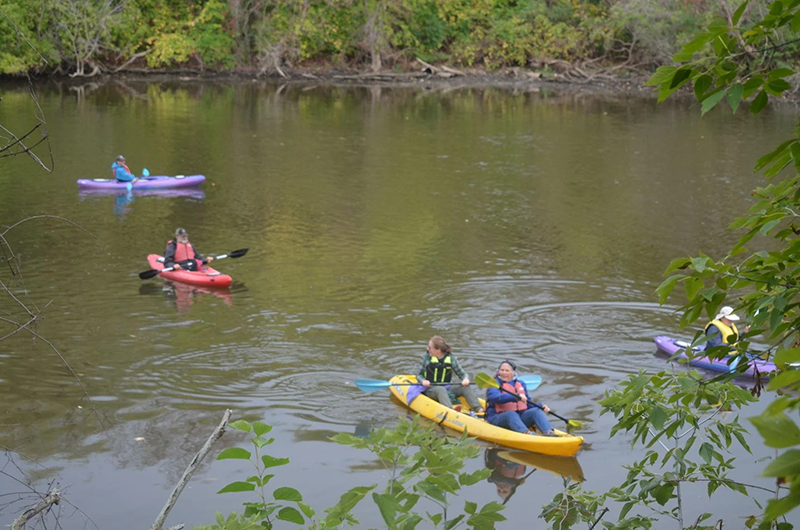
(146, 275)
(238, 253)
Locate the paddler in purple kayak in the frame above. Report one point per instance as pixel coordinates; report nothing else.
(121, 171)
(181, 255)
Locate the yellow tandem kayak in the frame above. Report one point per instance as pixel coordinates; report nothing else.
(562, 445)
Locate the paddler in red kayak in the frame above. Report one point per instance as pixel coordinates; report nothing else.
(181, 255)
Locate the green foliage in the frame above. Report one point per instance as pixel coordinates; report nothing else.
(263, 513)
(687, 425)
(432, 472)
(732, 62)
(21, 48)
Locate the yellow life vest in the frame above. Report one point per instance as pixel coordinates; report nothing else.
(726, 331)
(439, 371)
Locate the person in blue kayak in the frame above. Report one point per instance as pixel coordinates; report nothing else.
(438, 366)
(121, 172)
(181, 255)
(722, 330)
(512, 407)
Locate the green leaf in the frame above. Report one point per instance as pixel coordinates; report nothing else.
(759, 102)
(777, 508)
(781, 72)
(663, 73)
(785, 465)
(236, 453)
(769, 226)
(663, 291)
(237, 486)
(431, 490)
(307, 510)
(706, 452)
(791, 355)
(260, 428)
(796, 22)
(388, 507)
(663, 494)
(737, 15)
(291, 515)
(701, 84)
(711, 101)
(657, 417)
(287, 494)
(784, 380)
(271, 461)
(680, 77)
(241, 425)
(734, 96)
(778, 431)
(470, 507)
(693, 286)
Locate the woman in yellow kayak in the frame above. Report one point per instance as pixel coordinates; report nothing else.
(438, 366)
(511, 407)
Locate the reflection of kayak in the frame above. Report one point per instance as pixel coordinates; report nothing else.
(562, 445)
(193, 193)
(153, 182)
(563, 467)
(185, 294)
(206, 277)
(670, 346)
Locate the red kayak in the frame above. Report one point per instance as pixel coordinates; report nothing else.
(206, 276)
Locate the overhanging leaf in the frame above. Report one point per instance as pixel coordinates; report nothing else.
(235, 453)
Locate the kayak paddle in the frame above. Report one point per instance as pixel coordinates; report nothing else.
(487, 381)
(146, 275)
(372, 385)
(145, 173)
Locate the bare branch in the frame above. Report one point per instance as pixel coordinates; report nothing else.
(52, 497)
(193, 465)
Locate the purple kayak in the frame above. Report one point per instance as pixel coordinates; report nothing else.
(670, 346)
(155, 182)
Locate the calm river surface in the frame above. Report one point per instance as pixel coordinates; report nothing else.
(533, 226)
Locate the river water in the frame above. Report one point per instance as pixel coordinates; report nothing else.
(525, 224)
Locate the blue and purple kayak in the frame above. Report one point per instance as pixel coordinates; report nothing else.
(670, 346)
(155, 182)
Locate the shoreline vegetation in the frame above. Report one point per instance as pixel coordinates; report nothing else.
(607, 43)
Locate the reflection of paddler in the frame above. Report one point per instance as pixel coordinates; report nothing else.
(567, 467)
(506, 475)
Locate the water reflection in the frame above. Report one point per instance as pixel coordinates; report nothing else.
(183, 295)
(122, 200)
(510, 469)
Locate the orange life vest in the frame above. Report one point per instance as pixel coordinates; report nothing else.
(517, 388)
(183, 251)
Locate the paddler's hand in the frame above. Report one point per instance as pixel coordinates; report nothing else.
(545, 408)
(522, 397)
(465, 381)
(426, 383)
(177, 266)
(209, 259)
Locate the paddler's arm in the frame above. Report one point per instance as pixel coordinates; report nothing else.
(459, 371)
